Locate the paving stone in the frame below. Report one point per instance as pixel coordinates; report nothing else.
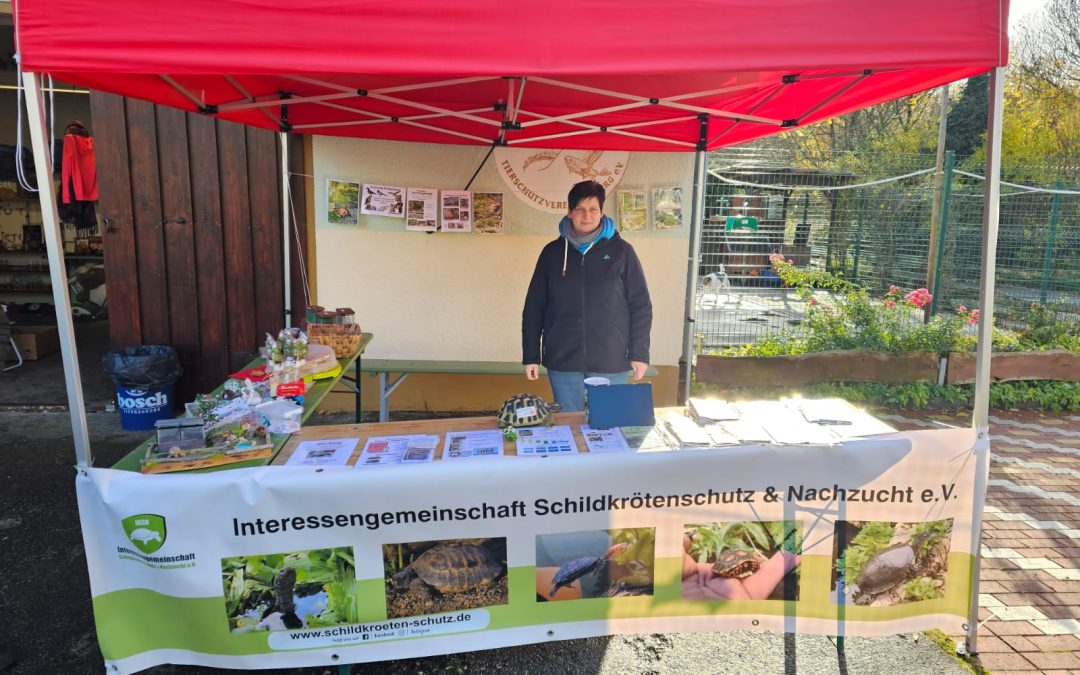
(1004, 662)
(996, 645)
(1061, 611)
(1060, 586)
(1024, 586)
(1054, 627)
(988, 587)
(1001, 628)
(1022, 613)
(1055, 643)
(1059, 660)
(1019, 643)
(1059, 598)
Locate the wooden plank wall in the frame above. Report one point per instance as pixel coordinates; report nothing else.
(193, 235)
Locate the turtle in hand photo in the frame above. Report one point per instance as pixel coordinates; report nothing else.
(526, 410)
(737, 563)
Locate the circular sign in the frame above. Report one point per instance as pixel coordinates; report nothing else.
(542, 178)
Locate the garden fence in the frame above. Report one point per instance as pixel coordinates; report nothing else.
(867, 217)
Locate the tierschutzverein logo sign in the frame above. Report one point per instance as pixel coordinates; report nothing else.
(541, 178)
(146, 531)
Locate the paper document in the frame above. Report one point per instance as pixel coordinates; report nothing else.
(472, 444)
(604, 440)
(649, 439)
(709, 410)
(382, 450)
(687, 431)
(325, 452)
(557, 440)
(845, 420)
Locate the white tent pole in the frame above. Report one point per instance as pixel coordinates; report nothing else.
(41, 141)
(284, 138)
(697, 219)
(981, 415)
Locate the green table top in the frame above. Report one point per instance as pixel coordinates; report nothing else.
(312, 398)
(453, 367)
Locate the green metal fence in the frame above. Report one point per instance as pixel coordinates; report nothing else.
(867, 218)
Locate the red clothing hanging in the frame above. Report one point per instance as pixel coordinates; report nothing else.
(79, 170)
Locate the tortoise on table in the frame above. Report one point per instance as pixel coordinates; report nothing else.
(526, 410)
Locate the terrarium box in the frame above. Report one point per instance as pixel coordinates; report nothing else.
(160, 459)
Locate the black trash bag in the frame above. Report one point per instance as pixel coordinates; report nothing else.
(149, 366)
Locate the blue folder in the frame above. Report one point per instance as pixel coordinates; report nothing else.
(620, 405)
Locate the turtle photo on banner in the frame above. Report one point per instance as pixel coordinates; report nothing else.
(595, 564)
(881, 563)
(428, 577)
(742, 560)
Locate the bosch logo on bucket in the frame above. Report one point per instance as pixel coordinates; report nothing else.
(143, 402)
(140, 408)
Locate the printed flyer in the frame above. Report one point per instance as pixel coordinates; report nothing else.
(422, 209)
(273, 568)
(383, 200)
(456, 210)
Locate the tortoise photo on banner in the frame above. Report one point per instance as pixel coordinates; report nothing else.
(883, 563)
(428, 577)
(595, 564)
(287, 591)
(742, 560)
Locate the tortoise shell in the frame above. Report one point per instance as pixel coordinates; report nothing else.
(887, 568)
(525, 410)
(453, 568)
(736, 563)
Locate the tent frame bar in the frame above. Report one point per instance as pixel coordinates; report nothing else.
(41, 142)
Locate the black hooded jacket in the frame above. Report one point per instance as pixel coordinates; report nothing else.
(597, 318)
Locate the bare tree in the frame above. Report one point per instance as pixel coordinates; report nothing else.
(1047, 46)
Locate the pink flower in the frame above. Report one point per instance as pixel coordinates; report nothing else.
(962, 309)
(893, 289)
(813, 301)
(919, 297)
(890, 303)
(790, 261)
(973, 317)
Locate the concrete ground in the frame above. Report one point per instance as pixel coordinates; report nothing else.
(47, 616)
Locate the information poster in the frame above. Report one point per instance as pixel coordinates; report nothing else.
(278, 568)
(667, 208)
(456, 210)
(383, 200)
(633, 210)
(342, 202)
(489, 212)
(422, 210)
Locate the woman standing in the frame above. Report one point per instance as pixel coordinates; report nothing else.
(587, 312)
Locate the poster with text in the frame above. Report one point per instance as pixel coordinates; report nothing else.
(342, 202)
(457, 210)
(422, 210)
(667, 208)
(633, 210)
(289, 567)
(383, 200)
(488, 207)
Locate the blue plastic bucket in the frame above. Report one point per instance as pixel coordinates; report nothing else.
(140, 408)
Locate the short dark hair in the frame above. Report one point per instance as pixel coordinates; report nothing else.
(584, 190)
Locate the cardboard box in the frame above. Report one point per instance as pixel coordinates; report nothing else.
(34, 342)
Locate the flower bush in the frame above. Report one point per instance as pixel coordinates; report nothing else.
(852, 319)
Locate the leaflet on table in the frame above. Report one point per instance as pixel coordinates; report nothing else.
(649, 439)
(557, 440)
(782, 424)
(473, 444)
(324, 452)
(844, 419)
(604, 440)
(409, 449)
(709, 410)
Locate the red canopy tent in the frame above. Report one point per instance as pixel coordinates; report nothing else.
(638, 75)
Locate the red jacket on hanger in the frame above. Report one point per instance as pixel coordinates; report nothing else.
(79, 171)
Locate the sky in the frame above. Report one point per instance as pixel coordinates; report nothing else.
(1018, 9)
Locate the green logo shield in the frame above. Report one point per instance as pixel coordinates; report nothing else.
(146, 531)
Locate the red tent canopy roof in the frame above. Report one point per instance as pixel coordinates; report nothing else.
(626, 74)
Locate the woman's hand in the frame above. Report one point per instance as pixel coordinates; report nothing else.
(639, 368)
(532, 371)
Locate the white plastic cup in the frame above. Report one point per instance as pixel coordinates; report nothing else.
(597, 382)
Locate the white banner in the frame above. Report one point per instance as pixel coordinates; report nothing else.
(305, 566)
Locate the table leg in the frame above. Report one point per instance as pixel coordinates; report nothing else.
(384, 409)
(359, 399)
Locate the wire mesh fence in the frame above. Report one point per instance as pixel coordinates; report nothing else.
(867, 218)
